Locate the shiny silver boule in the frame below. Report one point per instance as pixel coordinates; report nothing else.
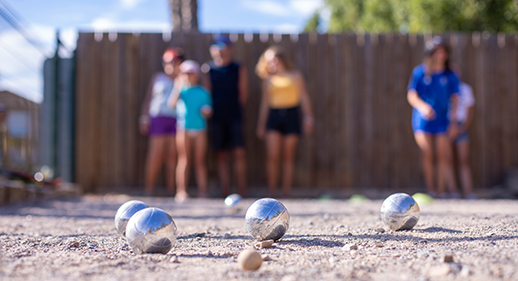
(400, 212)
(233, 200)
(151, 230)
(125, 212)
(267, 219)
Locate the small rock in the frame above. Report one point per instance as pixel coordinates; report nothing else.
(227, 236)
(174, 259)
(396, 255)
(380, 230)
(264, 244)
(333, 260)
(448, 258)
(351, 247)
(354, 253)
(209, 253)
(267, 258)
(379, 245)
(73, 244)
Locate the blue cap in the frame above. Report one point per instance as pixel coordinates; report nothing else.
(221, 42)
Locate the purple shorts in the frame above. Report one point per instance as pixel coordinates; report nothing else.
(162, 126)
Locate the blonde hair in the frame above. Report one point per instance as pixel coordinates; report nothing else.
(261, 69)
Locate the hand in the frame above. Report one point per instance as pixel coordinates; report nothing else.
(144, 125)
(308, 124)
(206, 111)
(261, 132)
(427, 112)
(453, 131)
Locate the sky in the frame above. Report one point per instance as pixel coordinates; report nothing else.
(21, 63)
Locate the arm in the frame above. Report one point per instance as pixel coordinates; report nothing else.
(205, 78)
(144, 111)
(263, 111)
(453, 128)
(469, 118)
(416, 102)
(175, 95)
(305, 103)
(243, 86)
(206, 109)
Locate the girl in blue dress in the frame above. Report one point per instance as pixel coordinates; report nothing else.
(433, 87)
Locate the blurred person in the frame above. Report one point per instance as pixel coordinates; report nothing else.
(158, 121)
(194, 105)
(227, 80)
(433, 87)
(284, 96)
(465, 112)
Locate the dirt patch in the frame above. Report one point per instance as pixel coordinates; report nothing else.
(327, 240)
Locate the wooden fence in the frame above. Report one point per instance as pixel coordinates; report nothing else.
(357, 84)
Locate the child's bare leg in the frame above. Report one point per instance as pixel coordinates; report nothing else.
(200, 150)
(273, 152)
(465, 169)
(446, 176)
(154, 161)
(182, 168)
(171, 164)
(289, 149)
(425, 143)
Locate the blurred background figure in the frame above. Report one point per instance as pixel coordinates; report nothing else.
(158, 121)
(432, 88)
(284, 95)
(228, 82)
(465, 112)
(194, 106)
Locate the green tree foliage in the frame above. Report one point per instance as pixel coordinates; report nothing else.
(313, 23)
(423, 15)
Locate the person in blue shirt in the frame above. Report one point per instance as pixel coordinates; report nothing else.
(432, 88)
(193, 106)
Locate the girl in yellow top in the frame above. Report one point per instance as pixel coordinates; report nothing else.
(284, 95)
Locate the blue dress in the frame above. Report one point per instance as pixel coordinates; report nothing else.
(436, 90)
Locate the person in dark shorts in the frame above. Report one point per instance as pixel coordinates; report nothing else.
(228, 83)
(158, 121)
(284, 97)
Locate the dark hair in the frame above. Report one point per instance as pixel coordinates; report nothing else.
(435, 43)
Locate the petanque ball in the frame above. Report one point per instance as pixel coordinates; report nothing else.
(125, 212)
(233, 201)
(151, 230)
(267, 219)
(400, 212)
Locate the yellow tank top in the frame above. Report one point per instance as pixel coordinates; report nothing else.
(283, 91)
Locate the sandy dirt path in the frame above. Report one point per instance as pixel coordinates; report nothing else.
(328, 240)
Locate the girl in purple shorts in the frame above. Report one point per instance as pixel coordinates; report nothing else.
(158, 121)
(433, 87)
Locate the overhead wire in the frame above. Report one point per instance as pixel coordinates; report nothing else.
(17, 22)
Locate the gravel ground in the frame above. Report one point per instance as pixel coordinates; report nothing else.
(327, 240)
